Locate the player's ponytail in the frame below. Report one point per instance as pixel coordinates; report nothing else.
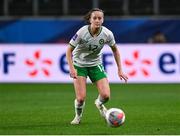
(88, 15)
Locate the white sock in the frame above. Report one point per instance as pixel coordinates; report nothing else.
(101, 100)
(78, 108)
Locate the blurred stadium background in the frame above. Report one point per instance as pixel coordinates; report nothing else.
(36, 92)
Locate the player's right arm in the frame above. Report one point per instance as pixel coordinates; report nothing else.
(72, 70)
(72, 45)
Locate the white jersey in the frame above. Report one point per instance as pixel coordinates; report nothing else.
(87, 52)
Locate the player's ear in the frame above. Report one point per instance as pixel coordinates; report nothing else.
(102, 20)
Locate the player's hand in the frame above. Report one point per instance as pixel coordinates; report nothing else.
(122, 76)
(73, 73)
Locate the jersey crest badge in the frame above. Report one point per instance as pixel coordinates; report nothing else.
(101, 41)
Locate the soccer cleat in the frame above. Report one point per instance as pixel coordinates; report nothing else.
(102, 109)
(76, 120)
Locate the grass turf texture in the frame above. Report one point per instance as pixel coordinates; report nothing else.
(48, 109)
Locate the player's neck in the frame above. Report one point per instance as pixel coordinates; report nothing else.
(94, 31)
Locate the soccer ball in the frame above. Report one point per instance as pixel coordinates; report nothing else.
(115, 117)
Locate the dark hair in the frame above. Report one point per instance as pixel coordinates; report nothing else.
(88, 15)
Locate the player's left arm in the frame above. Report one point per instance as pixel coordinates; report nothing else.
(117, 58)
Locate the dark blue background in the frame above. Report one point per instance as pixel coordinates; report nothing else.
(136, 30)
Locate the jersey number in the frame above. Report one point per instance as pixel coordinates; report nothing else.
(93, 47)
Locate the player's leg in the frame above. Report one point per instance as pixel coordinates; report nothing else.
(80, 91)
(104, 95)
(79, 102)
(98, 76)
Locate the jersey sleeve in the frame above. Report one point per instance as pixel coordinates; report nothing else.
(111, 41)
(75, 39)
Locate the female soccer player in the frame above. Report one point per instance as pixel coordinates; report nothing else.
(84, 60)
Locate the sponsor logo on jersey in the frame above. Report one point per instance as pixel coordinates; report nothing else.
(82, 41)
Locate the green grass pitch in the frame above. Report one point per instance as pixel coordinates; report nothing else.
(35, 109)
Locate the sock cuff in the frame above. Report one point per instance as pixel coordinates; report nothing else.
(102, 100)
(79, 105)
